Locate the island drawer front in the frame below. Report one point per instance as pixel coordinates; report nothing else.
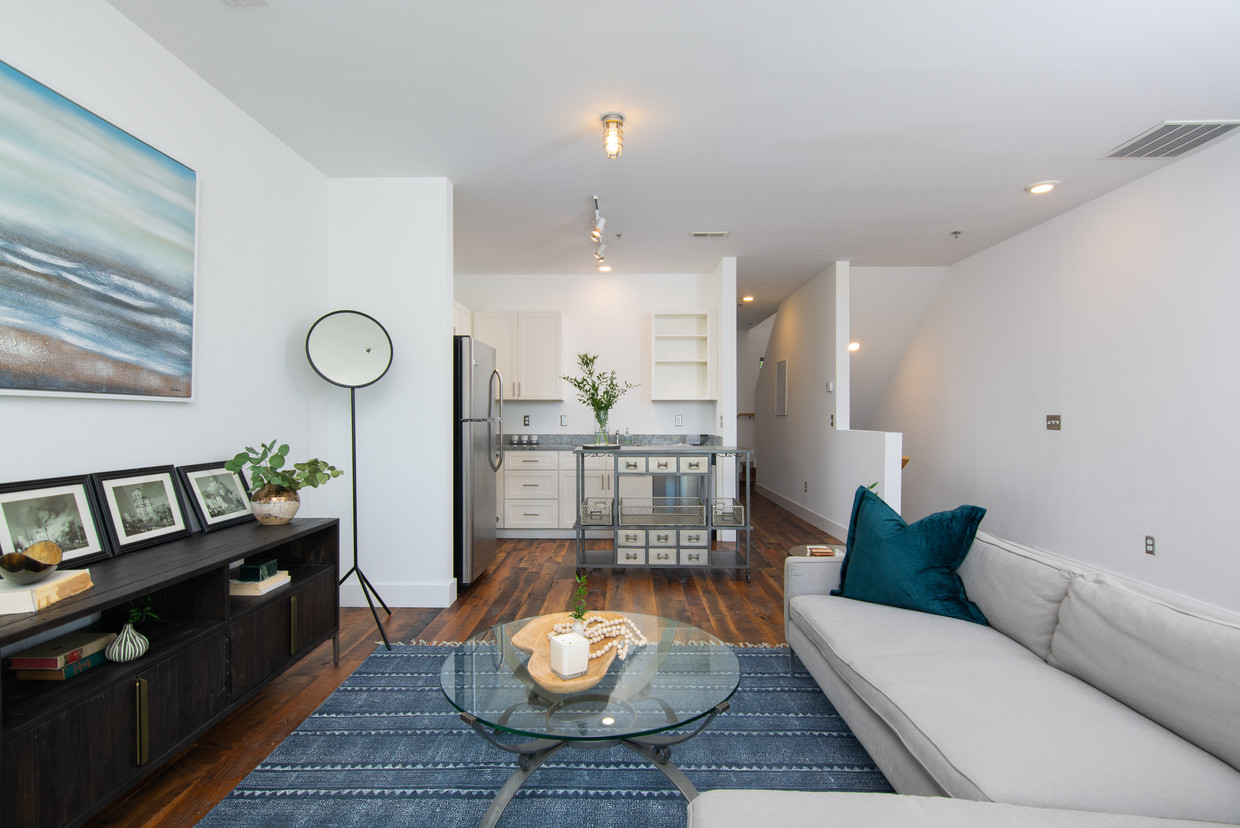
(694, 465)
(694, 537)
(662, 537)
(631, 557)
(693, 557)
(531, 485)
(661, 557)
(514, 460)
(661, 464)
(632, 465)
(631, 537)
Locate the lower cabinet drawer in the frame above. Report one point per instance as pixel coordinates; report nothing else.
(630, 537)
(532, 484)
(531, 514)
(694, 537)
(657, 556)
(662, 537)
(694, 557)
(631, 557)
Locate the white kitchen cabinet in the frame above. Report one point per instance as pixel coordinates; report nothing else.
(527, 351)
(461, 322)
(682, 355)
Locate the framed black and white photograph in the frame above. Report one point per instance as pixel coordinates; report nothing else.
(219, 497)
(141, 507)
(62, 510)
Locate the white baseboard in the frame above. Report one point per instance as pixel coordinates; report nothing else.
(399, 595)
(813, 518)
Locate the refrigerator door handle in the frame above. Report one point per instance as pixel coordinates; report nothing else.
(497, 451)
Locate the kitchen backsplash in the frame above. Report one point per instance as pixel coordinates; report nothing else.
(565, 441)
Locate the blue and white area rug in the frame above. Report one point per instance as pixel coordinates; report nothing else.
(386, 749)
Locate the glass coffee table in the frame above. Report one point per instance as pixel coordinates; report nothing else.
(684, 676)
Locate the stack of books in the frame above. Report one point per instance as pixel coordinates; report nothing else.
(239, 587)
(62, 657)
(34, 597)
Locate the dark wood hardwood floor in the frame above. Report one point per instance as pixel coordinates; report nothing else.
(529, 577)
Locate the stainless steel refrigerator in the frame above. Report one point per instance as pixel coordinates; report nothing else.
(478, 435)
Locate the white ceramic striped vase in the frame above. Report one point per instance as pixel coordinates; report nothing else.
(130, 644)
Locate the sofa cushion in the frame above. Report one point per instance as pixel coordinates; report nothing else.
(989, 719)
(1178, 668)
(794, 809)
(911, 566)
(1016, 588)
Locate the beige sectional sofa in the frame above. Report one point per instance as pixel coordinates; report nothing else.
(1086, 693)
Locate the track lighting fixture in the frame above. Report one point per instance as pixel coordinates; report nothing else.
(596, 236)
(613, 134)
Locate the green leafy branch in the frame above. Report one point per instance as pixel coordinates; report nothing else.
(269, 467)
(579, 599)
(597, 389)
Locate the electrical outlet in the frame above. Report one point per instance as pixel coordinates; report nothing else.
(1149, 544)
(1053, 422)
(525, 420)
(806, 484)
(680, 420)
(563, 419)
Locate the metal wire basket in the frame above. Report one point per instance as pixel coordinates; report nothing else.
(662, 511)
(596, 511)
(726, 511)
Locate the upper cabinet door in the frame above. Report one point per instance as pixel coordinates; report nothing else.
(499, 330)
(539, 368)
(527, 351)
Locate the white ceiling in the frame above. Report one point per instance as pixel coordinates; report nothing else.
(812, 130)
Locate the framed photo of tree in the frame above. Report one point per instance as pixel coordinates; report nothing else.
(141, 507)
(62, 510)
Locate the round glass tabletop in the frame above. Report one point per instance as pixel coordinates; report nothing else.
(681, 675)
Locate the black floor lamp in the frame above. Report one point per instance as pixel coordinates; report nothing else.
(352, 350)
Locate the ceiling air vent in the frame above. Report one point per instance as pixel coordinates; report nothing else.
(708, 234)
(1171, 139)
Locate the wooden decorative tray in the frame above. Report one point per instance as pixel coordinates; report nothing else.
(532, 639)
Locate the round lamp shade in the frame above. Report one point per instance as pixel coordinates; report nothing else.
(349, 348)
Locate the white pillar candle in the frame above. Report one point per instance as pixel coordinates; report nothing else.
(570, 655)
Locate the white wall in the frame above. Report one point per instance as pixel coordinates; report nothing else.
(750, 348)
(390, 256)
(608, 315)
(1121, 316)
(261, 261)
(885, 307)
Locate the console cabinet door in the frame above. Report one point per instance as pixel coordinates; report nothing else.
(259, 645)
(317, 611)
(180, 693)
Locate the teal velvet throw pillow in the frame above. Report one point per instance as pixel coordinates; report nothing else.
(909, 566)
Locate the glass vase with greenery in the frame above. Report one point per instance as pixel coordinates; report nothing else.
(598, 389)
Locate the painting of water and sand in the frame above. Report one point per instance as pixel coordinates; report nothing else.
(97, 234)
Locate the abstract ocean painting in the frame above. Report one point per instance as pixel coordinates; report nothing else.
(97, 258)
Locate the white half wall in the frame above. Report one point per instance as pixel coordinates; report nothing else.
(750, 349)
(390, 256)
(1121, 317)
(261, 261)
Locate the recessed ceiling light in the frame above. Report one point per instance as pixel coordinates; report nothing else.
(854, 346)
(1041, 187)
(604, 268)
(746, 298)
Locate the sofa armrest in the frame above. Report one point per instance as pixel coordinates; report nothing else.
(810, 576)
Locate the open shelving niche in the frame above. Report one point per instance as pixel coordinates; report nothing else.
(668, 531)
(70, 748)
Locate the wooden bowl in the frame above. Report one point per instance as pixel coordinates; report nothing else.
(32, 564)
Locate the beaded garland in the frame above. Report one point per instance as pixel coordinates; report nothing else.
(598, 629)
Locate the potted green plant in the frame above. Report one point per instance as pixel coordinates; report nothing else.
(579, 603)
(274, 482)
(598, 389)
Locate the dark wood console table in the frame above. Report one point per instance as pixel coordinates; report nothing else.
(70, 748)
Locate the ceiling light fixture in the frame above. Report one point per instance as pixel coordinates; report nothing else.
(613, 134)
(1041, 187)
(604, 268)
(746, 298)
(854, 346)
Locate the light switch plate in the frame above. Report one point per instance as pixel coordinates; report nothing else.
(563, 419)
(680, 420)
